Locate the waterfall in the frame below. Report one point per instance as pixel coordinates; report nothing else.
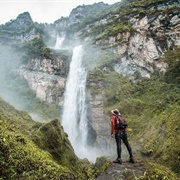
(59, 42)
(74, 117)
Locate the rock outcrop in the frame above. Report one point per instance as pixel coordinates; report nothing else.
(79, 14)
(140, 50)
(43, 77)
(21, 29)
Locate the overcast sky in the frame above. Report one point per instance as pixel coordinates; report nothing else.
(41, 10)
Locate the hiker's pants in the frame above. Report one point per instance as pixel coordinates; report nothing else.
(123, 136)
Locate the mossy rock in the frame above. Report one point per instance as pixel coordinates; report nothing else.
(158, 172)
(52, 138)
(20, 158)
(101, 164)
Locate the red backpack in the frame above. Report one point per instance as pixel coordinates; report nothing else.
(121, 123)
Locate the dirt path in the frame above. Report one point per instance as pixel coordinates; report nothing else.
(124, 171)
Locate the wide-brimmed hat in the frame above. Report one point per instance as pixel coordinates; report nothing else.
(115, 112)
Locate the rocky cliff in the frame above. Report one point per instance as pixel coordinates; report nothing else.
(43, 78)
(21, 29)
(140, 37)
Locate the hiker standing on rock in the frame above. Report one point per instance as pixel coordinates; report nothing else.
(118, 130)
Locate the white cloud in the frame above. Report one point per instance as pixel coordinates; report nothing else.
(41, 10)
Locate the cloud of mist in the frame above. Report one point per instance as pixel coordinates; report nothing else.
(9, 62)
(14, 88)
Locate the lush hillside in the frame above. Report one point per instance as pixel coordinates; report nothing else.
(31, 150)
(152, 107)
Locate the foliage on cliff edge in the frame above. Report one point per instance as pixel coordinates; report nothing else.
(152, 107)
(48, 156)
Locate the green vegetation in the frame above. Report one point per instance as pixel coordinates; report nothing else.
(117, 17)
(152, 107)
(52, 138)
(99, 58)
(20, 158)
(36, 48)
(31, 150)
(157, 172)
(101, 165)
(172, 57)
(22, 24)
(104, 32)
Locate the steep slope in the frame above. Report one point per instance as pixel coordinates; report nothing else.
(79, 14)
(22, 159)
(20, 29)
(152, 108)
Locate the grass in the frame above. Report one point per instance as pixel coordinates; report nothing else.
(152, 108)
(51, 137)
(22, 159)
(32, 150)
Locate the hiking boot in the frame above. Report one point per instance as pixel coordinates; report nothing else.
(131, 160)
(118, 160)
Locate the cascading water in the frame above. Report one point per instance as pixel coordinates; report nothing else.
(59, 42)
(74, 118)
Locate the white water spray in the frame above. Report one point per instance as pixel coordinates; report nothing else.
(74, 118)
(59, 42)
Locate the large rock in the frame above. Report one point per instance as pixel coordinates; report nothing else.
(141, 50)
(49, 88)
(46, 77)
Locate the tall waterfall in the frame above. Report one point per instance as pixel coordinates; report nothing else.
(74, 118)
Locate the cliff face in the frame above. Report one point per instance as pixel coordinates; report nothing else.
(43, 78)
(139, 37)
(80, 14)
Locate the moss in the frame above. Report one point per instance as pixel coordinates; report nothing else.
(31, 150)
(101, 165)
(158, 172)
(22, 159)
(53, 139)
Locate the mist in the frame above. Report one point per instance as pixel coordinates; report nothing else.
(14, 88)
(9, 62)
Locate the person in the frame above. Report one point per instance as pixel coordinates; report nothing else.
(120, 134)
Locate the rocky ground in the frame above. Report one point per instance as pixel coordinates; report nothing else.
(124, 171)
